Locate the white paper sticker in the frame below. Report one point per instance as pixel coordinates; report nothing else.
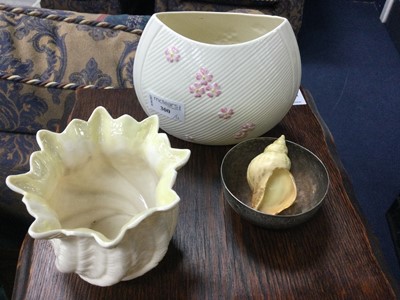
(171, 109)
(299, 99)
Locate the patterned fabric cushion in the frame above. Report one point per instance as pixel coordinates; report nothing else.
(45, 55)
(289, 9)
(39, 50)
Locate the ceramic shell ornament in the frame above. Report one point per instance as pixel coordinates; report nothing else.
(101, 192)
(272, 184)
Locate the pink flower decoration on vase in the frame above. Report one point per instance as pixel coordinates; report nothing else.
(204, 85)
(225, 113)
(248, 126)
(213, 90)
(197, 89)
(245, 128)
(240, 134)
(203, 76)
(172, 54)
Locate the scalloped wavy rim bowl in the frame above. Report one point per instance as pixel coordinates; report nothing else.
(310, 175)
(101, 192)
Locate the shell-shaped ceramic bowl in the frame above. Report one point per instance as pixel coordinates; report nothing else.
(101, 192)
(217, 78)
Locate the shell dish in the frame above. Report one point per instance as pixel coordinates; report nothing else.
(101, 191)
(309, 172)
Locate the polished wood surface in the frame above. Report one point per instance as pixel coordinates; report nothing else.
(214, 254)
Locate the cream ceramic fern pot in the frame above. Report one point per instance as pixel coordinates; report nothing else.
(217, 78)
(101, 192)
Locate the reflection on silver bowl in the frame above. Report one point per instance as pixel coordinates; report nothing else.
(310, 174)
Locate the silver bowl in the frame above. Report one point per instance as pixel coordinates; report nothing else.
(310, 174)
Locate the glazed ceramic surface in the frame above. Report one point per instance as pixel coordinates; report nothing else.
(101, 191)
(217, 78)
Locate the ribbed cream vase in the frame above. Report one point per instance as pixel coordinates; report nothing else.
(217, 78)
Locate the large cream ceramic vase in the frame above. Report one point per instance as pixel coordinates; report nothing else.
(217, 78)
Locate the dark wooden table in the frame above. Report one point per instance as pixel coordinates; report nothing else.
(214, 254)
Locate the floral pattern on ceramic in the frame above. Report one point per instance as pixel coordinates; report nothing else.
(225, 113)
(213, 90)
(123, 172)
(204, 85)
(244, 130)
(172, 54)
(197, 89)
(203, 76)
